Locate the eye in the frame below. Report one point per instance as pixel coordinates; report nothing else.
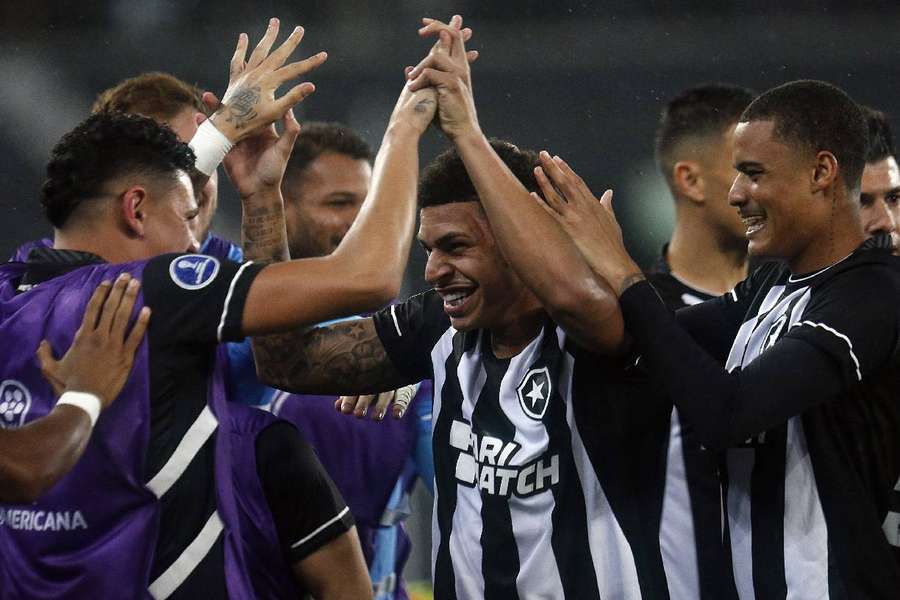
(892, 199)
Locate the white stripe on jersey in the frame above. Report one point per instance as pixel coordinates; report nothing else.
(805, 532)
(805, 551)
(465, 534)
(609, 547)
(740, 471)
(538, 572)
(441, 350)
(676, 531)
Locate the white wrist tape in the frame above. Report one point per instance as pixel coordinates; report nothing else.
(405, 395)
(89, 403)
(210, 146)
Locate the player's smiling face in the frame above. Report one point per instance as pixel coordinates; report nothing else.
(772, 192)
(466, 268)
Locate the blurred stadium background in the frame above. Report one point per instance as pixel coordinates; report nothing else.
(585, 80)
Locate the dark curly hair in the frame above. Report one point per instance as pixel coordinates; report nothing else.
(317, 138)
(104, 146)
(445, 180)
(816, 116)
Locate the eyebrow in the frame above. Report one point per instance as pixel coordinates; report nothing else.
(748, 164)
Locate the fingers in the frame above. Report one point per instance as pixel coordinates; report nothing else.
(546, 207)
(381, 403)
(575, 177)
(237, 60)
(402, 399)
(433, 77)
(472, 56)
(92, 312)
(606, 200)
(265, 44)
(112, 302)
(136, 335)
(442, 62)
(211, 101)
(295, 96)
(45, 357)
(296, 69)
(122, 313)
(560, 180)
(362, 405)
(286, 49)
(551, 198)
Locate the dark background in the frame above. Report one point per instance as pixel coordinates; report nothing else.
(585, 80)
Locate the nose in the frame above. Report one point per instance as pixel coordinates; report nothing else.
(436, 268)
(880, 219)
(737, 195)
(193, 244)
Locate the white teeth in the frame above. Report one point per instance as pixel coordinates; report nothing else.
(455, 298)
(754, 223)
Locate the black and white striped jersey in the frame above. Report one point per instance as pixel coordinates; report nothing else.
(548, 469)
(810, 407)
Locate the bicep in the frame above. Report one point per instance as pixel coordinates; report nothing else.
(336, 571)
(343, 358)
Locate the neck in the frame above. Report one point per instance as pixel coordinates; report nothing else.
(701, 258)
(511, 337)
(91, 242)
(844, 235)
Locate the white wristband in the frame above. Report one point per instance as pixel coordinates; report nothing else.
(89, 403)
(210, 146)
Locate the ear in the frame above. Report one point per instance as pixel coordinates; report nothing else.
(687, 178)
(199, 118)
(826, 172)
(134, 206)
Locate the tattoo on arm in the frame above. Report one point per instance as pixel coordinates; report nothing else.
(629, 281)
(242, 107)
(345, 358)
(264, 234)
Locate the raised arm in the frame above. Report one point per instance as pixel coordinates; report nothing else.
(342, 358)
(34, 457)
(536, 248)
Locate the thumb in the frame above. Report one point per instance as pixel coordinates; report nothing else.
(45, 356)
(291, 129)
(607, 201)
(210, 100)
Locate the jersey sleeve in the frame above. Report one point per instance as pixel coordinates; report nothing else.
(714, 324)
(306, 506)
(197, 298)
(409, 330)
(855, 322)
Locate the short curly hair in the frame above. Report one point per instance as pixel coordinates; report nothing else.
(317, 137)
(816, 116)
(104, 146)
(445, 180)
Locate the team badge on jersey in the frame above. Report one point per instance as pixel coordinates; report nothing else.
(193, 271)
(15, 400)
(534, 392)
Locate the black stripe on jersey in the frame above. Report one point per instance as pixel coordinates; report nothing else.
(767, 513)
(702, 468)
(207, 579)
(570, 543)
(445, 457)
(184, 510)
(499, 552)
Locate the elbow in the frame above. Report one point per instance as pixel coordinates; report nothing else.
(21, 486)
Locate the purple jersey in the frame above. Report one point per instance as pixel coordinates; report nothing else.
(108, 528)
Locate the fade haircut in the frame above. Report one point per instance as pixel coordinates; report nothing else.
(317, 138)
(104, 146)
(881, 140)
(697, 113)
(155, 94)
(446, 180)
(816, 116)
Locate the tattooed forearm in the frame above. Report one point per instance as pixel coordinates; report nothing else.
(344, 358)
(241, 108)
(263, 232)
